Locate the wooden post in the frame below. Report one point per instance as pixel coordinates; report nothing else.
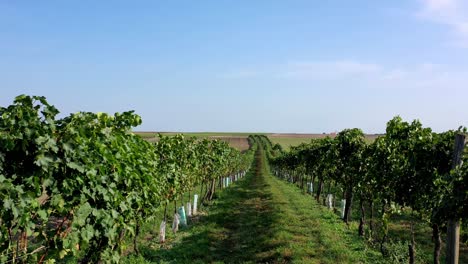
(453, 228)
(453, 241)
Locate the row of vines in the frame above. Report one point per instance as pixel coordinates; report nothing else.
(81, 185)
(408, 169)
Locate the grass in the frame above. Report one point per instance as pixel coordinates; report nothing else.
(264, 219)
(317, 235)
(399, 229)
(399, 232)
(260, 219)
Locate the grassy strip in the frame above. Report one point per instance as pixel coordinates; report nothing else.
(316, 235)
(399, 232)
(233, 230)
(261, 219)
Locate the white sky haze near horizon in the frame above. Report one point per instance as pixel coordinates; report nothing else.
(242, 66)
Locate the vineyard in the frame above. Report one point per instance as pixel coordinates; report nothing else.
(83, 185)
(86, 189)
(410, 171)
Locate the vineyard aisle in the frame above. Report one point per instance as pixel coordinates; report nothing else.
(265, 220)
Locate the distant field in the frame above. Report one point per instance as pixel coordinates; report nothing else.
(239, 139)
(288, 140)
(240, 142)
(149, 134)
(235, 140)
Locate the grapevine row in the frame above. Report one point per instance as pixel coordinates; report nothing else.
(82, 184)
(408, 168)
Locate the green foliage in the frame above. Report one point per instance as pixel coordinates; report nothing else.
(408, 167)
(262, 220)
(79, 185)
(27, 163)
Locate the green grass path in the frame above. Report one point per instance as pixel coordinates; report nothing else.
(263, 220)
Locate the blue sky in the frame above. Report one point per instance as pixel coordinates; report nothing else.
(254, 66)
